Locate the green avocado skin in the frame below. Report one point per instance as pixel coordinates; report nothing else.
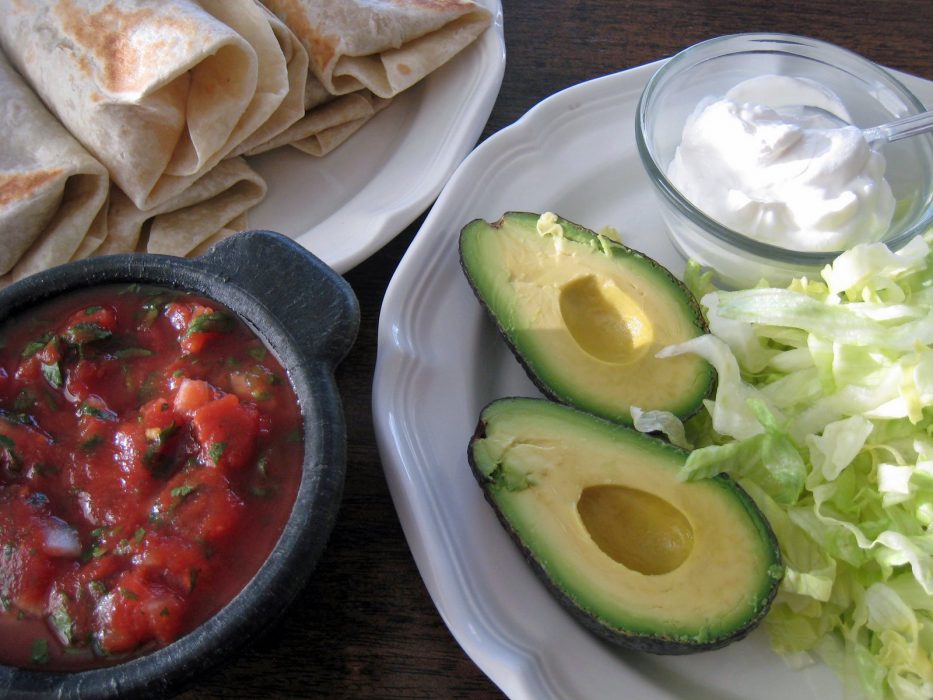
(558, 379)
(498, 475)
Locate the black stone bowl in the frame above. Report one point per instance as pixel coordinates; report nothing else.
(308, 316)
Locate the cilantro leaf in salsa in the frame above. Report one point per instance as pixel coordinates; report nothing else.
(216, 451)
(182, 491)
(35, 346)
(86, 409)
(122, 491)
(81, 333)
(211, 322)
(40, 651)
(126, 353)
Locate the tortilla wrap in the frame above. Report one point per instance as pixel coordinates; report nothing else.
(239, 224)
(320, 142)
(177, 227)
(315, 92)
(384, 46)
(53, 193)
(293, 106)
(328, 125)
(159, 91)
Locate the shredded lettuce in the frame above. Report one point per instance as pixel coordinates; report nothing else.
(824, 413)
(663, 422)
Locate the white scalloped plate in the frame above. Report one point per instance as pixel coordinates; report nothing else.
(347, 205)
(440, 361)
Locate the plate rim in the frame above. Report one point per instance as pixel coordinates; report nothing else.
(487, 56)
(396, 356)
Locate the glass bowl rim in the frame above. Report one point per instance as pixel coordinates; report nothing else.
(706, 223)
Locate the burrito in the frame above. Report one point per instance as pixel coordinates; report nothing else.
(159, 91)
(328, 122)
(331, 124)
(213, 207)
(293, 106)
(238, 224)
(384, 46)
(53, 193)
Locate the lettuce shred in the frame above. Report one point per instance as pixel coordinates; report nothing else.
(824, 413)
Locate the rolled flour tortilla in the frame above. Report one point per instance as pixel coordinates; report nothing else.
(321, 141)
(328, 120)
(239, 224)
(159, 91)
(293, 106)
(216, 203)
(53, 193)
(384, 46)
(326, 126)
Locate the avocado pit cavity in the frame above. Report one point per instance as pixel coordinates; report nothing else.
(585, 315)
(639, 556)
(639, 530)
(605, 321)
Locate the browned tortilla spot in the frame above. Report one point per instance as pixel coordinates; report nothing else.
(18, 187)
(321, 48)
(404, 69)
(107, 36)
(84, 64)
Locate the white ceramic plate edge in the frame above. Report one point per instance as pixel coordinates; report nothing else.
(516, 668)
(450, 108)
(504, 657)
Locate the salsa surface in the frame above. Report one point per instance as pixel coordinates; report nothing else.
(150, 454)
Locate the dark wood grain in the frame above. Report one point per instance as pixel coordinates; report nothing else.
(365, 625)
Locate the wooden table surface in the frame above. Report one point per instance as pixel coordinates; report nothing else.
(365, 626)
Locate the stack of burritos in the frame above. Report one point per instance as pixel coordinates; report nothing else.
(130, 123)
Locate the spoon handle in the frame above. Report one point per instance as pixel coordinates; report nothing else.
(901, 128)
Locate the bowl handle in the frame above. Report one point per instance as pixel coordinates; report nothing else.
(315, 303)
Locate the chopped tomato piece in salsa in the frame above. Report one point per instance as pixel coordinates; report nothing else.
(150, 452)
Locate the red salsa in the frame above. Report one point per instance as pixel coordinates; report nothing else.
(150, 453)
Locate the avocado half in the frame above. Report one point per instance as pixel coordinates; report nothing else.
(585, 316)
(643, 559)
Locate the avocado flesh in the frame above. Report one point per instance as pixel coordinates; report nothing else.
(638, 556)
(585, 316)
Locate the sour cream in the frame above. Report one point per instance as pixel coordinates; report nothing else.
(801, 183)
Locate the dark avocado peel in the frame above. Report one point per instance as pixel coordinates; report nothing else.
(585, 315)
(639, 557)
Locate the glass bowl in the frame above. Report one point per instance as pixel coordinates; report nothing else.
(870, 94)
